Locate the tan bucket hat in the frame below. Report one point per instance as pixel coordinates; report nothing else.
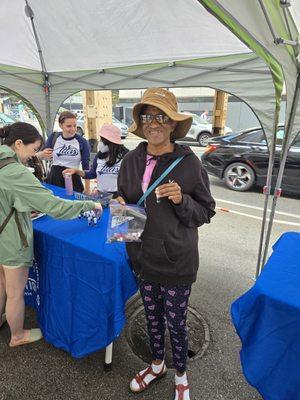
(166, 102)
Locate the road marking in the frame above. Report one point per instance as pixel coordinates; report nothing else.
(255, 217)
(257, 208)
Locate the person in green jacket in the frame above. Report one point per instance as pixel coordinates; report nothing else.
(20, 193)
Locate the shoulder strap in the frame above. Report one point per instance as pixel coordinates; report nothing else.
(54, 139)
(3, 163)
(6, 161)
(5, 222)
(21, 233)
(159, 179)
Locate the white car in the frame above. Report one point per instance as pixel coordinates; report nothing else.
(201, 131)
(122, 126)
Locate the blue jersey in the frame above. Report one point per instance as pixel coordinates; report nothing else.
(70, 152)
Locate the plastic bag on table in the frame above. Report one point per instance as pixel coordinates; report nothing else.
(99, 197)
(126, 223)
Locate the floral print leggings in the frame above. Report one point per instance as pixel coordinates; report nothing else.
(167, 303)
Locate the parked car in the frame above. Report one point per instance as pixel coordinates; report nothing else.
(122, 126)
(241, 160)
(81, 126)
(201, 131)
(5, 120)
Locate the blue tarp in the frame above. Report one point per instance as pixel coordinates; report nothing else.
(267, 319)
(82, 283)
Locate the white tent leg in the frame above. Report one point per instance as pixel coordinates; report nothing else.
(108, 356)
(267, 192)
(285, 149)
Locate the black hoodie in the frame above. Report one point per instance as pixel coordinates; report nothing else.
(168, 253)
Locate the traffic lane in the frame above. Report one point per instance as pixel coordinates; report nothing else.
(252, 203)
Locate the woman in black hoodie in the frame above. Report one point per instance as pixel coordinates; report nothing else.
(166, 261)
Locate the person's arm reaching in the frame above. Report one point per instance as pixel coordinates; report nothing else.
(30, 195)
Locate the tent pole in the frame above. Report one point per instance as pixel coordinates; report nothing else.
(264, 10)
(285, 149)
(46, 85)
(267, 192)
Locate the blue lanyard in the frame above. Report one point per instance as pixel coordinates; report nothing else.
(158, 180)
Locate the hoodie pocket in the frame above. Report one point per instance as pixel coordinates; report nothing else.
(154, 259)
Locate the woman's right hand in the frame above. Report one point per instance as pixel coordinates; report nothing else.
(98, 206)
(70, 171)
(98, 210)
(120, 200)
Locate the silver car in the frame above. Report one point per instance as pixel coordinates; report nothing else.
(201, 131)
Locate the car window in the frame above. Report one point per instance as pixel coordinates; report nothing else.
(199, 119)
(296, 143)
(279, 136)
(257, 136)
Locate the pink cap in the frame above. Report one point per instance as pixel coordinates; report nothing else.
(111, 133)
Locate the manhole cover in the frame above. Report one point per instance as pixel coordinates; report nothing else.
(137, 336)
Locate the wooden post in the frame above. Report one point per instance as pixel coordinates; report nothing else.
(219, 112)
(97, 110)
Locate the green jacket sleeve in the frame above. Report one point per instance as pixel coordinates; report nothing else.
(29, 195)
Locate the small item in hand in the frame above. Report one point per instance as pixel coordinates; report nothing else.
(126, 223)
(157, 196)
(92, 216)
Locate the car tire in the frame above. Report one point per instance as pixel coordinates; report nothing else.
(79, 131)
(239, 176)
(203, 138)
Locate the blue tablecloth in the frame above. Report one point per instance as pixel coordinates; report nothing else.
(80, 284)
(267, 319)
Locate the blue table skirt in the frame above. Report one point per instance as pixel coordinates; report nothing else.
(79, 285)
(267, 319)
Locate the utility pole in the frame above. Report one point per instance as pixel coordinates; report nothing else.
(219, 112)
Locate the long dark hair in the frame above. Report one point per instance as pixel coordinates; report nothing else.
(39, 170)
(9, 134)
(115, 153)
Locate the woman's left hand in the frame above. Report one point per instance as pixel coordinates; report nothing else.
(170, 190)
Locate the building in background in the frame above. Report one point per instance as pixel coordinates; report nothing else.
(193, 100)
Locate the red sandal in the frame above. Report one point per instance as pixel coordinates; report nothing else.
(180, 390)
(141, 376)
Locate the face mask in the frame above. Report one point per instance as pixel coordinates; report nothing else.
(102, 147)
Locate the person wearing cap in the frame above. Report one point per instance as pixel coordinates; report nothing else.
(166, 260)
(107, 162)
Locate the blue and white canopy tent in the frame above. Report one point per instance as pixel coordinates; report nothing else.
(248, 48)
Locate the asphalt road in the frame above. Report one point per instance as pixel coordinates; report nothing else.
(228, 253)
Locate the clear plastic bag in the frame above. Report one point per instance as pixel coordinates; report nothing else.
(99, 197)
(126, 223)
